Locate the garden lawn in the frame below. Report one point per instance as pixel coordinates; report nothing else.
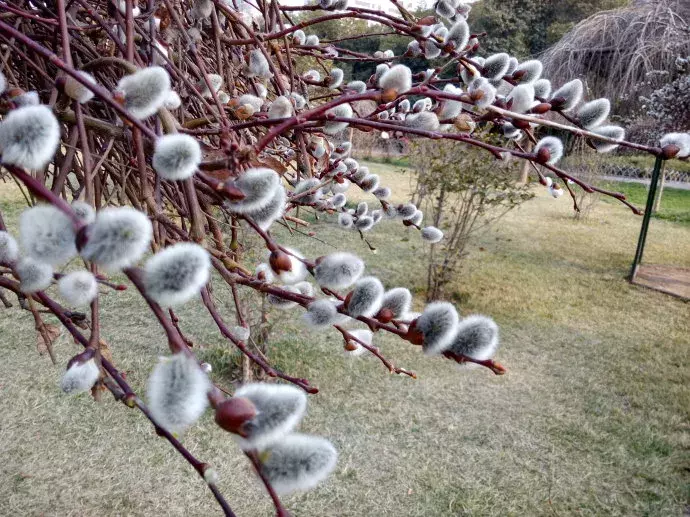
(591, 419)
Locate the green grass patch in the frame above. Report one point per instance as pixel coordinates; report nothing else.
(675, 203)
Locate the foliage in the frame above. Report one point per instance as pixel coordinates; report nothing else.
(529, 27)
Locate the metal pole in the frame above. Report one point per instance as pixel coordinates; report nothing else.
(658, 164)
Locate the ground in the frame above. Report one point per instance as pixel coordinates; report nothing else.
(591, 418)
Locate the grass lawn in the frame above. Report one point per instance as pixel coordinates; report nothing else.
(591, 419)
(675, 203)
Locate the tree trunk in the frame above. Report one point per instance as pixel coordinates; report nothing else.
(524, 172)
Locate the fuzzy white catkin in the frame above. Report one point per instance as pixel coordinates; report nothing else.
(342, 150)
(176, 157)
(259, 186)
(47, 234)
(522, 97)
(298, 271)
(9, 249)
(571, 92)
(614, 132)
(340, 111)
(336, 76)
(476, 337)
(444, 8)
(305, 186)
(321, 314)
(3, 83)
(78, 288)
(432, 234)
(417, 218)
(80, 377)
(357, 86)
(681, 140)
(145, 91)
(512, 65)
(258, 65)
(84, 211)
(266, 271)
(176, 274)
(299, 101)
(338, 270)
(554, 146)
(29, 137)
(369, 183)
(299, 37)
(398, 78)
(593, 113)
(351, 164)
(118, 237)
(177, 391)
(312, 75)
(542, 88)
(413, 48)
(381, 69)
(76, 90)
(437, 325)
(255, 102)
(364, 223)
(312, 40)
(280, 108)
(345, 221)
(532, 71)
(382, 193)
(339, 200)
(272, 211)
(172, 101)
(398, 300)
(496, 66)
(33, 275)
(366, 297)
(459, 34)
(305, 288)
(407, 210)
(26, 99)
(279, 408)
(298, 463)
(425, 121)
(364, 335)
(487, 89)
(555, 190)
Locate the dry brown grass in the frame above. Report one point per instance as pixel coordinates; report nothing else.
(591, 419)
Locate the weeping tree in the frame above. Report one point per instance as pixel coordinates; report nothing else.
(153, 141)
(624, 53)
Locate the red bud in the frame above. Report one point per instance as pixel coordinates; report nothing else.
(543, 155)
(669, 151)
(233, 413)
(280, 261)
(413, 335)
(385, 315)
(541, 108)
